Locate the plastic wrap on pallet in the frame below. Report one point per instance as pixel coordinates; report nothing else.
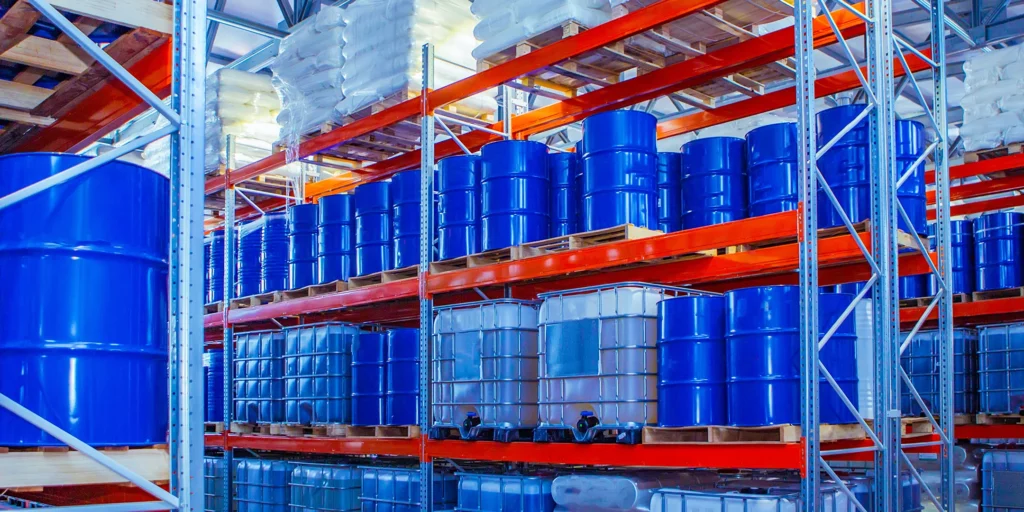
(992, 114)
(503, 24)
(621, 492)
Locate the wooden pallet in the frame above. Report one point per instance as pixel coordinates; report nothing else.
(986, 154)
(215, 307)
(769, 434)
(479, 259)
(213, 427)
(921, 425)
(921, 302)
(998, 294)
(256, 300)
(999, 419)
(32, 469)
(250, 428)
(331, 430)
(384, 432)
(314, 290)
(386, 276)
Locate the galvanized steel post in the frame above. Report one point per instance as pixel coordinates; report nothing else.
(230, 269)
(426, 252)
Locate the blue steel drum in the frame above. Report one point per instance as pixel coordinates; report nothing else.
(713, 182)
(302, 245)
(580, 221)
(772, 169)
(369, 378)
(912, 287)
(620, 170)
(514, 191)
(845, 166)
(961, 254)
(839, 356)
(909, 139)
(458, 206)
(336, 239)
(562, 169)
(373, 228)
(274, 253)
(763, 356)
(206, 269)
(249, 268)
(691, 361)
(84, 304)
(213, 373)
(670, 202)
(215, 268)
(997, 254)
(405, 219)
(403, 376)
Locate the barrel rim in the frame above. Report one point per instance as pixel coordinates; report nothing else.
(82, 158)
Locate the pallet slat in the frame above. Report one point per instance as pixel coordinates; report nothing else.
(768, 434)
(24, 469)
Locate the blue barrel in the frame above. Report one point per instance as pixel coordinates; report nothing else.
(762, 339)
(912, 287)
(997, 253)
(580, 221)
(403, 375)
(562, 169)
(773, 170)
(302, 245)
(839, 356)
(405, 218)
(620, 170)
(215, 268)
(369, 378)
(846, 166)
(213, 373)
(84, 302)
(336, 239)
(458, 207)
(514, 190)
(713, 182)
(909, 140)
(373, 228)
(207, 242)
(250, 240)
(274, 253)
(691, 361)
(961, 254)
(670, 203)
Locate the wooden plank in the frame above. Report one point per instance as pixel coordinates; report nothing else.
(22, 96)
(46, 54)
(156, 16)
(18, 116)
(87, 26)
(15, 24)
(45, 469)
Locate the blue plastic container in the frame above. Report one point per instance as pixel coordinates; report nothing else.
(336, 238)
(302, 245)
(763, 356)
(562, 169)
(398, 490)
(259, 377)
(405, 218)
(839, 356)
(458, 207)
(1001, 368)
(84, 302)
(961, 254)
(846, 166)
(772, 169)
(249, 268)
(318, 373)
(713, 181)
(1002, 481)
(373, 228)
(262, 485)
(213, 483)
(403, 378)
(369, 378)
(921, 362)
(325, 488)
(274, 253)
(213, 379)
(670, 202)
(909, 139)
(580, 220)
(691, 361)
(997, 252)
(494, 493)
(215, 268)
(864, 489)
(206, 269)
(620, 170)
(514, 194)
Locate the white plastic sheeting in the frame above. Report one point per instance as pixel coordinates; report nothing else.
(505, 23)
(993, 114)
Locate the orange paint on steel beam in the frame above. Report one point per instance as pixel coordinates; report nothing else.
(109, 107)
(988, 205)
(989, 431)
(336, 446)
(992, 165)
(973, 313)
(981, 188)
(403, 289)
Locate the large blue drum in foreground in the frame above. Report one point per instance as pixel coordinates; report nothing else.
(514, 192)
(302, 249)
(458, 206)
(670, 203)
(997, 254)
(562, 170)
(274, 253)
(713, 182)
(405, 218)
(691, 361)
(772, 170)
(336, 238)
(84, 304)
(620, 170)
(373, 228)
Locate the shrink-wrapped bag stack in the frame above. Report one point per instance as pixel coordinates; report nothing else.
(994, 103)
(505, 23)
